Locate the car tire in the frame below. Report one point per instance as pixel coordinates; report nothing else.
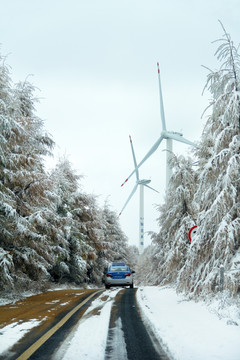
(131, 286)
(107, 286)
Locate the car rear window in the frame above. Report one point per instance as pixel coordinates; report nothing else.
(118, 268)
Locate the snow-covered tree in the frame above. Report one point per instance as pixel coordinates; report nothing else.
(9, 131)
(93, 234)
(218, 193)
(50, 229)
(146, 267)
(132, 256)
(114, 237)
(171, 244)
(208, 197)
(23, 181)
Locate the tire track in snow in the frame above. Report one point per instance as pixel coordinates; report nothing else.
(128, 338)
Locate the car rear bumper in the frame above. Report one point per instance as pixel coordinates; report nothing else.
(116, 282)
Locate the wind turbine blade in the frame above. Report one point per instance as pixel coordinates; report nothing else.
(180, 138)
(151, 151)
(129, 198)
(161, 101)
(134, 159)
(151, 188)
(128, 177)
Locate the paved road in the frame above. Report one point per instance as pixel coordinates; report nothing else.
(43, 340)
(128, 338)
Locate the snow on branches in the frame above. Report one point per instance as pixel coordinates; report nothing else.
(208, 197)
(50, 229)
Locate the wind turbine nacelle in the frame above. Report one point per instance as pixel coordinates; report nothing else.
(167, 134)
(144, 182)
(175, 132)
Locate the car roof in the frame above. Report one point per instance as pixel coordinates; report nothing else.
(118, 264)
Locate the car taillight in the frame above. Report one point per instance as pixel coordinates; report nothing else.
(128, 274)
(109, 275)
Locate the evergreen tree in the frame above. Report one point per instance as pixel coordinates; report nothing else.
(147, 267)
(208, 197)
(170, 245)
(22, 184)
(218, 194)
(9, 132)
(114, 237)
(132, 256)
(51, 229)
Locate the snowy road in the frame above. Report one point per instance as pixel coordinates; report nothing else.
(127, 334)
(109, 326)
(34, 327)
(91, 324)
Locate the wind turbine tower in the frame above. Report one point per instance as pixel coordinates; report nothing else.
(141, 184)
(169, 136)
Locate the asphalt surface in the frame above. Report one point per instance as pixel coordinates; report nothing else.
(127, 330)
(129, 337)
(47, 349)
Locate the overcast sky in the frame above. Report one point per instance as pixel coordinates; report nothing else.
(94, 63)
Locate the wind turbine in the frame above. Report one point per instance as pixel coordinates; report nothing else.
(141, 184)
(165, 134)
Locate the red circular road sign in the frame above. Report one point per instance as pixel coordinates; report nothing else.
(190, 232)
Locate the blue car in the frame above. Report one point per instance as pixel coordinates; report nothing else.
(118, 274)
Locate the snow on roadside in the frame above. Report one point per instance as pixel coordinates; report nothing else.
(189, 330)
(88, 340)
(12, 333)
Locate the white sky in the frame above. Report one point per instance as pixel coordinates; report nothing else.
(95, 65)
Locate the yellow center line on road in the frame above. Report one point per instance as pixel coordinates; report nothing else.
(34, 347)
